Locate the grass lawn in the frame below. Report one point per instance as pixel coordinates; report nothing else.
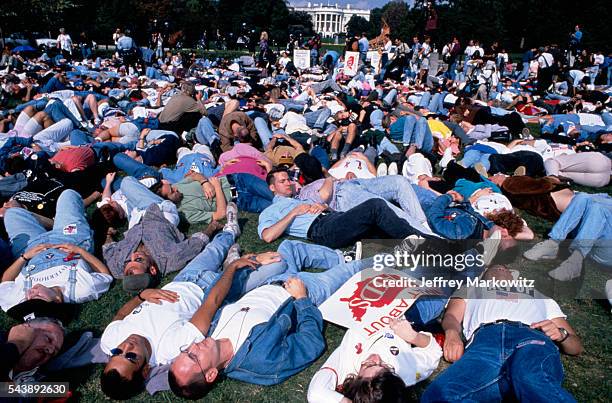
(587, 377)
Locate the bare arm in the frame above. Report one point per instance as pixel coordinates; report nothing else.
(220, 199)
(572, 345)
(451, 323)
(275, 231)
(203, 316)
(327, 190)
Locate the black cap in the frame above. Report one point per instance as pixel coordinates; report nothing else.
(37, 308)
(137, 282)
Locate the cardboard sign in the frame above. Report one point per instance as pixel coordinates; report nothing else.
(374, 58)
(351, 63)
(301, 58)
(365, 305)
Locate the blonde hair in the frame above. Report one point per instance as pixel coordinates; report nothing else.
(264, 36)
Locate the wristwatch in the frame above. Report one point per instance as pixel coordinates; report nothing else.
(565, 334)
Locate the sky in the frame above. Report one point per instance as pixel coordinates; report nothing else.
(362, 4)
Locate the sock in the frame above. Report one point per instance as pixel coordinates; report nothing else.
(334, 153)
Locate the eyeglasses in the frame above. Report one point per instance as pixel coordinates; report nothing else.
(130, 356)
(384, 365)
(185, 350)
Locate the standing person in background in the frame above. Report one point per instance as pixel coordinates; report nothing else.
(314, 45)
(545, 70)
(364, 46)
(431, 26)
(64, 43)
(263, 47)
(86, 45)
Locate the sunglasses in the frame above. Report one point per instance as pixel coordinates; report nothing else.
(130, 356)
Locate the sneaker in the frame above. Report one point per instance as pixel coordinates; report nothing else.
(410, 244)
(392, 169)
(520, 171)
(354, 253)
(570, 269)
(446, 158)
(202, 236)
(382, 170)
(490, 246)
(233, 254)
(609, 291)
(232, 220)
(545, 250)
(526, 134)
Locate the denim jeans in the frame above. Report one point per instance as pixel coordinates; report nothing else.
(567, 121)
(393, 189)
(70, 226)
(417, 132)
(253, 193)
(389, 99)
(318, 118)
(205, 269)
(205, 131)
(48, 139)
(525, 73)
(137, 194)
(472, 157)
(338, 230)
(319, 153)
(58, 111)
(298, 256)
(292, 104)
(588, 219)
(510, 359)
(134, 168)
(263, 130)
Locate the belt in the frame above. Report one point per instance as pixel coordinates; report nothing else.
(503, 322)
(316, 221)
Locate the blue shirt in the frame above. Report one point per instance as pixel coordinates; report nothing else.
(280, 208)
(364, 45)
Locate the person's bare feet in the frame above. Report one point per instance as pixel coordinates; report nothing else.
(212, 228)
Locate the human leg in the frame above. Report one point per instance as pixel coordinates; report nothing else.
(263, 130)
(137, 194)
(253, 193)
(587, 169)
(22, 228)
(209, 259)
(133, 168)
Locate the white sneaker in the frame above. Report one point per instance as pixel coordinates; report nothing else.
(446, 158)
(405, 169)
(410, 244)
(232, 220)
(232, 254)
(392, 169)
(354, 253)
(570, 269)
(382, 170)
(609, 291)
(545, 250)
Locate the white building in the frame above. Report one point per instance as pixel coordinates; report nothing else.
(331, 20)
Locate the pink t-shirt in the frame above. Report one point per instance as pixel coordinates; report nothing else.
(248, 156)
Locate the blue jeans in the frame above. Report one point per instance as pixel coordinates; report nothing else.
(525, 73)
(503, 359)
(70, 226)
(205, 132)
(298, 255)
(204, 269)
(132, 168)
(417, 132)
(319, 153)
(137, 194)
(318, 118)
(588, 218)
(566, 120)
(253, 193)
(292, 105)
(263, 130)
(472, 157)
(389, 99)
(58, 111)
(393, 189)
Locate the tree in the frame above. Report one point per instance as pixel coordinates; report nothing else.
(356, 25)
(300, 22)
(397, 15)
(375, 22)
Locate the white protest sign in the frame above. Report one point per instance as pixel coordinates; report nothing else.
(301, 58)
(351, 63)
(374, 58)
(370, 299)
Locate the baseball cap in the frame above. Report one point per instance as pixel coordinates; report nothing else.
(37, 308)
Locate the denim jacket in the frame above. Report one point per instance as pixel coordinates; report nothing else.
(288, 343)
(456, 220)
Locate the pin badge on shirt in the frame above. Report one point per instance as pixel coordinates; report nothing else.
(358, 348)
(70, 229)
(394, 350)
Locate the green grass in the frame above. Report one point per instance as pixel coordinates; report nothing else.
(587, 377)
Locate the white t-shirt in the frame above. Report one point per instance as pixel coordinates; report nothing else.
(545, 60)
(256, 307)
(155, 323)
(489, 305)
(412, 364)
(65, 42)
(293, 122)
(354, 165)
(489, 203)
(89, 285)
